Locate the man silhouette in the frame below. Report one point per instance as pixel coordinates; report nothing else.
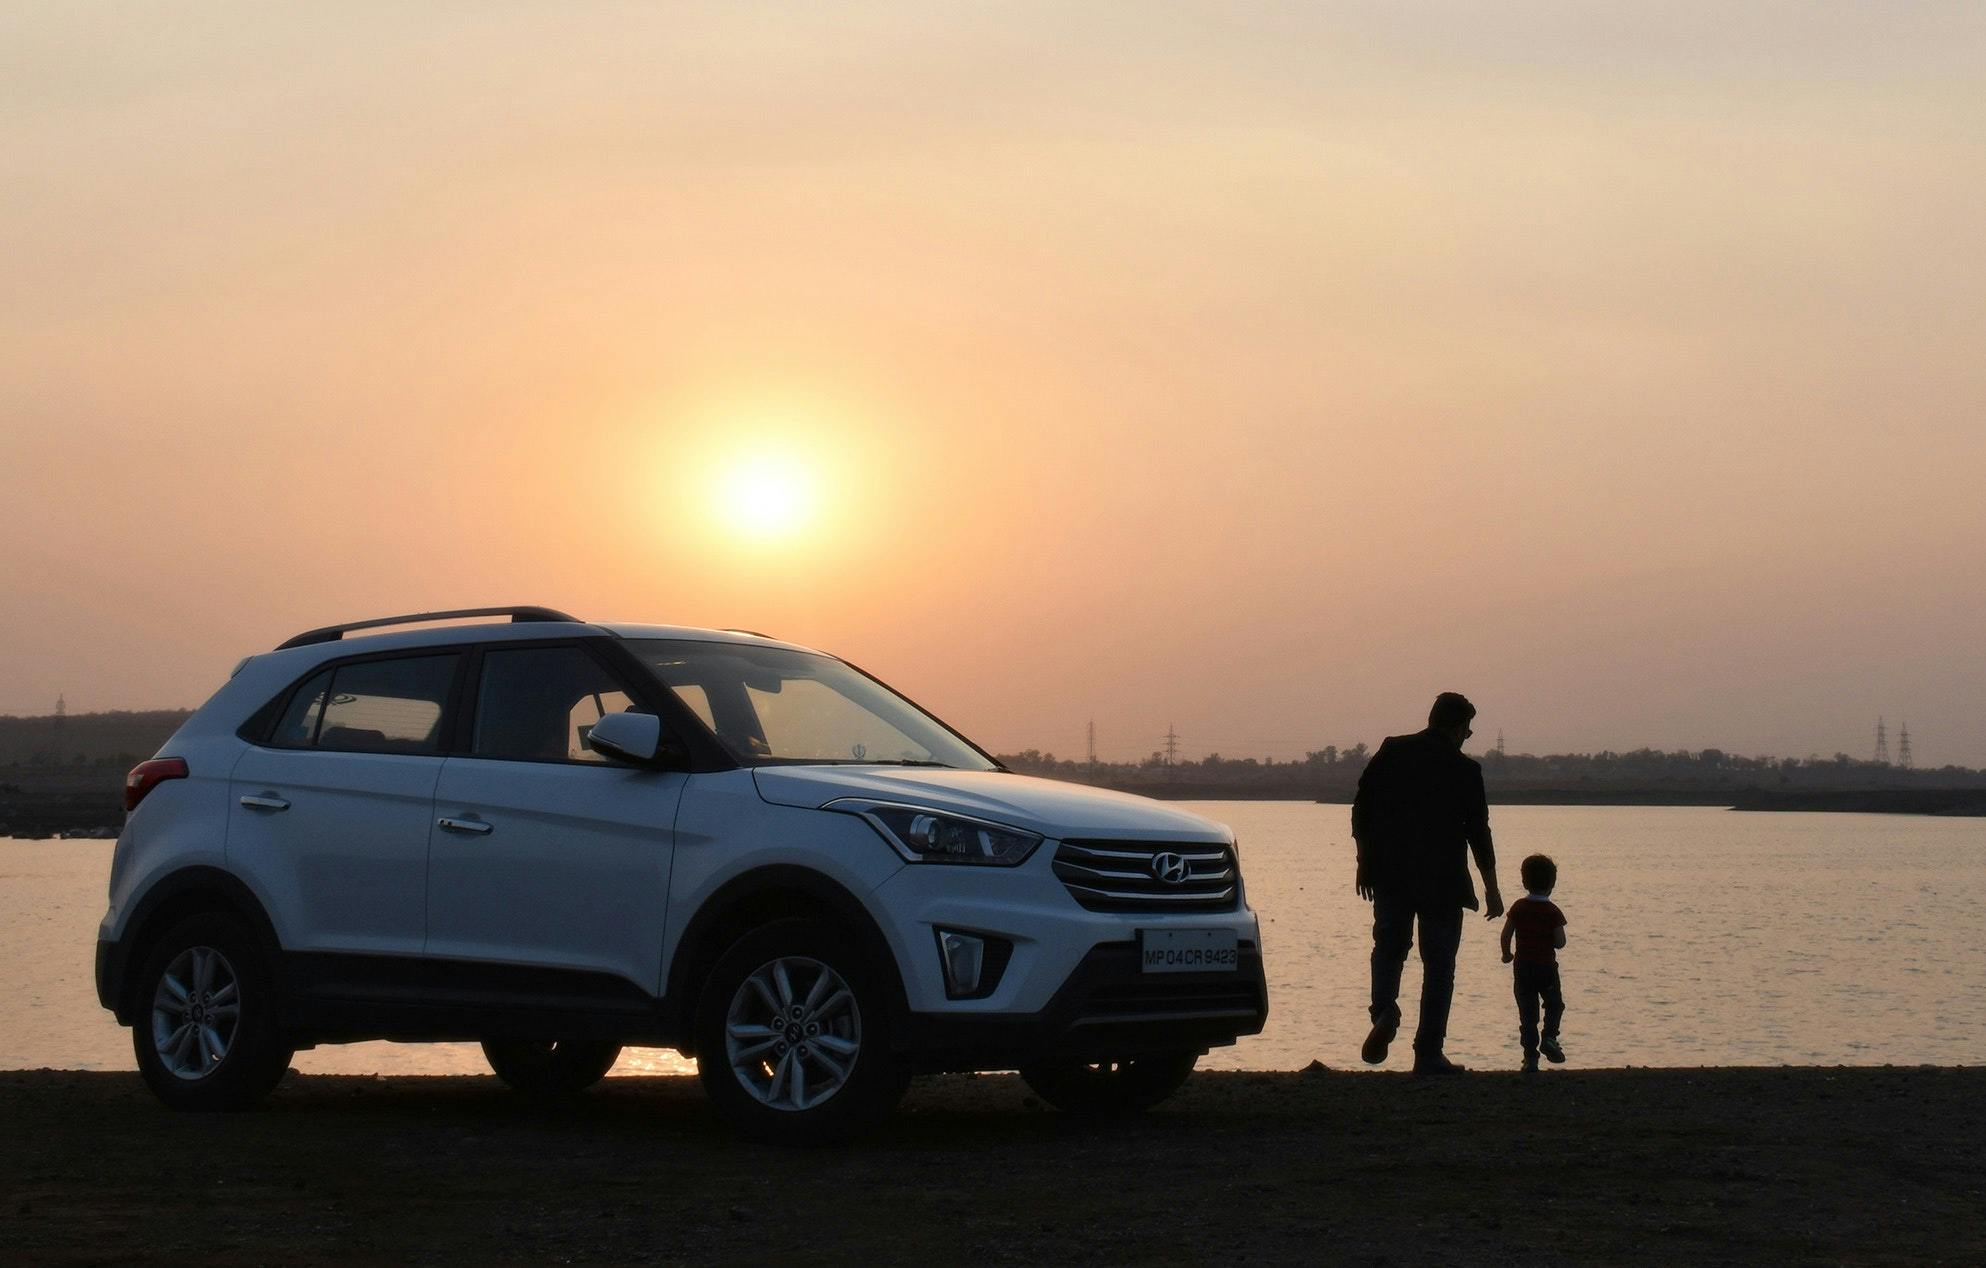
(1419, 803)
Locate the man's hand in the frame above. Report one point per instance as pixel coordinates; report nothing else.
(1363, 884)
(1492, 903)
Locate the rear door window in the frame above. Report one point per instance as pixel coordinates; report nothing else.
(373, 706)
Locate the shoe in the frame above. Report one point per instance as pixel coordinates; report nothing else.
(1553, 1053)
(1436, 1065)
(1376, 1043)
(1530, 1064)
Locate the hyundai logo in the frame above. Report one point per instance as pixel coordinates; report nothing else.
(1169, 868)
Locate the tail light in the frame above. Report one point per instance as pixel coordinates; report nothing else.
(146, 776)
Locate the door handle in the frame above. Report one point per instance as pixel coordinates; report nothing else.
(476, 826)
(265, 803)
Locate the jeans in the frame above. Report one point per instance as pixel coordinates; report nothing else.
(1394, 915)
(1535, 983)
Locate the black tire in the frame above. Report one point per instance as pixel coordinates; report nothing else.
(874, 1078)
(1100, 1089)
(550, 1069)
(255, 1055)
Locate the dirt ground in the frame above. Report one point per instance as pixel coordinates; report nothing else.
(1642, 1166)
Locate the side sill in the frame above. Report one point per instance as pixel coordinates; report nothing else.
(331, 998)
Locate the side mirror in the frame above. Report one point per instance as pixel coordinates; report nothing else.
(634, 738)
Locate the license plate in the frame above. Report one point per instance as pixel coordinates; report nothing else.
(1188, 951)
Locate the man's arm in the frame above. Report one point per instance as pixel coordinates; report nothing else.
(1363, 828)
(1476, 826)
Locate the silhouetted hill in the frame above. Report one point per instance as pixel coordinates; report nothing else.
(1642, 777)
(120, 739)
(64, 776)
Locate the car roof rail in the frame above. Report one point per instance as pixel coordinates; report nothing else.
(332, 633)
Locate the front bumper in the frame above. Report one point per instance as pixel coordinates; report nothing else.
(1107, 1009)
(1028, 906)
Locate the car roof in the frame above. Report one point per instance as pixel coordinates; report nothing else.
(506, 631)
(260, 675)
(693, 634)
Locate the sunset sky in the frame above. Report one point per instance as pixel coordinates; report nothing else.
(1255, 369)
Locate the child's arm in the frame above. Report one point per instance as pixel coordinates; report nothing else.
(1509, 931)
(1558, 934)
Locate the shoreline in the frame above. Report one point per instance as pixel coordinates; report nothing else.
(87, 807)
(1785, 1164)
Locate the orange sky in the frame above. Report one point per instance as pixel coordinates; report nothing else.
(1253, 369)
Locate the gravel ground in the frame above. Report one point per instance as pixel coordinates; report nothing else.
(1642, 1166)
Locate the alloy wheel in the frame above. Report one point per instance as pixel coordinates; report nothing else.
(196, 1011)
(793, 1033)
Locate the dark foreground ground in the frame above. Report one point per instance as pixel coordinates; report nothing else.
(1673, 1166)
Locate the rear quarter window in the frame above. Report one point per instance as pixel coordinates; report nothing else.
(297, 728)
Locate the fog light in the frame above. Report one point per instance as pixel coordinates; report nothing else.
(964, 956)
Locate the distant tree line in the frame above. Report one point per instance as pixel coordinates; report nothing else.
(119, 739)
(1332, 773)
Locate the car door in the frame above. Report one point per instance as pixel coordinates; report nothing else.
(329, 816)
(545, 854)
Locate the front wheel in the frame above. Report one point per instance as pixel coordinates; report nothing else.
(550, 1069)
(205, 1035)
(1102, 1088)
(793, 1036)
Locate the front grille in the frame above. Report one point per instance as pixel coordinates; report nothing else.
(1127, 875)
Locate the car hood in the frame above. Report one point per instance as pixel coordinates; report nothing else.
(1047, 806)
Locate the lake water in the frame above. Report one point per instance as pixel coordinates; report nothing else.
(1696, 937)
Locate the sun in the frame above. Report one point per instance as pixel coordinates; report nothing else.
(767, 494)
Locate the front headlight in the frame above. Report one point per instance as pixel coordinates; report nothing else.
(933, 836)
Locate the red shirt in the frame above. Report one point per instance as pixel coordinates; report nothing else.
(1536, 922)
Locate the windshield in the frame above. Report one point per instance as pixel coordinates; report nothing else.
(769, 704)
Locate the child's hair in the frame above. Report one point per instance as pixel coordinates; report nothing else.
(1539, 873)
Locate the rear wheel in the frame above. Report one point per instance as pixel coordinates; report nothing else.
(205, 1036)
(1101, 1088)
(793, 1036)
(550, 1068)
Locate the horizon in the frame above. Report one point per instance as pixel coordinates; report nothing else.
(1259, 373)
(1188, 757)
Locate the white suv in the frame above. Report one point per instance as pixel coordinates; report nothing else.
(561, 838)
